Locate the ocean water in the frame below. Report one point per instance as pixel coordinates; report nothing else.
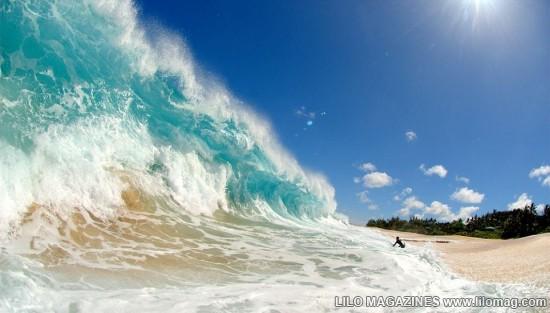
(130, 181)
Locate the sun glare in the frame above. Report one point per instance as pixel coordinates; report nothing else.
(474, 11)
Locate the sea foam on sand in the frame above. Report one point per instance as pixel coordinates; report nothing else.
(524, 260)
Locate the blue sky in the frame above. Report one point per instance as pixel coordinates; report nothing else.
(343, 82)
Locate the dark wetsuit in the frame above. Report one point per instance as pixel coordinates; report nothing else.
(399, 242)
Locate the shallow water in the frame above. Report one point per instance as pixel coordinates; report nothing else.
(148, 260)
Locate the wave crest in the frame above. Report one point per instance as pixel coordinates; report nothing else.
(86, 95)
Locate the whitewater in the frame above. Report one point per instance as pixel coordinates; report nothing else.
(131, 181)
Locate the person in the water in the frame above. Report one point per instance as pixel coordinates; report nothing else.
(399, 242)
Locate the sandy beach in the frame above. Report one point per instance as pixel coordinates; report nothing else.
(523, 260)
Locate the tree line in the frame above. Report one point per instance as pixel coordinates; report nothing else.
(497, 224)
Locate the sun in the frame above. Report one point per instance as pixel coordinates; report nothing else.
(474, 11)
(481, 4)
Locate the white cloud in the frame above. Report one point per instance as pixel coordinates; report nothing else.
(522, 201)
(410, 135)
(303, 112)
(404, 212)
(367, 167)
(542, 174)
(440, 211)
(413, 203)
(438, 170)
(372, 179)
(409, 204)
(463, 179)
(466, 212)
(364, 197)
(405, 192)
(467, 195)
(540, 171)
(377, 180)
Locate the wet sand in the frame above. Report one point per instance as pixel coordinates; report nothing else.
(523, 260)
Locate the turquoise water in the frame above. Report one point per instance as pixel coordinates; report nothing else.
(66, 64)
(130, 181)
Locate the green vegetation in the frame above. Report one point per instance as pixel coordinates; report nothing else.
(498, 224)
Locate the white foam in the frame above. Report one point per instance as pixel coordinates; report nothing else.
(197, 188)
(170, 55)
(167, 53)
(315, 265)
(15, 183)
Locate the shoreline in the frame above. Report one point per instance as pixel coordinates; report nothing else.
(523, 260)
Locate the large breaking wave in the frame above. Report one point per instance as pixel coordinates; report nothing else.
(129, 181)
(91, 106)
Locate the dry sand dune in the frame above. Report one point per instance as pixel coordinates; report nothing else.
(523, 260)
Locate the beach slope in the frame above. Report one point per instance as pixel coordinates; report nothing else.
(522, 260)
